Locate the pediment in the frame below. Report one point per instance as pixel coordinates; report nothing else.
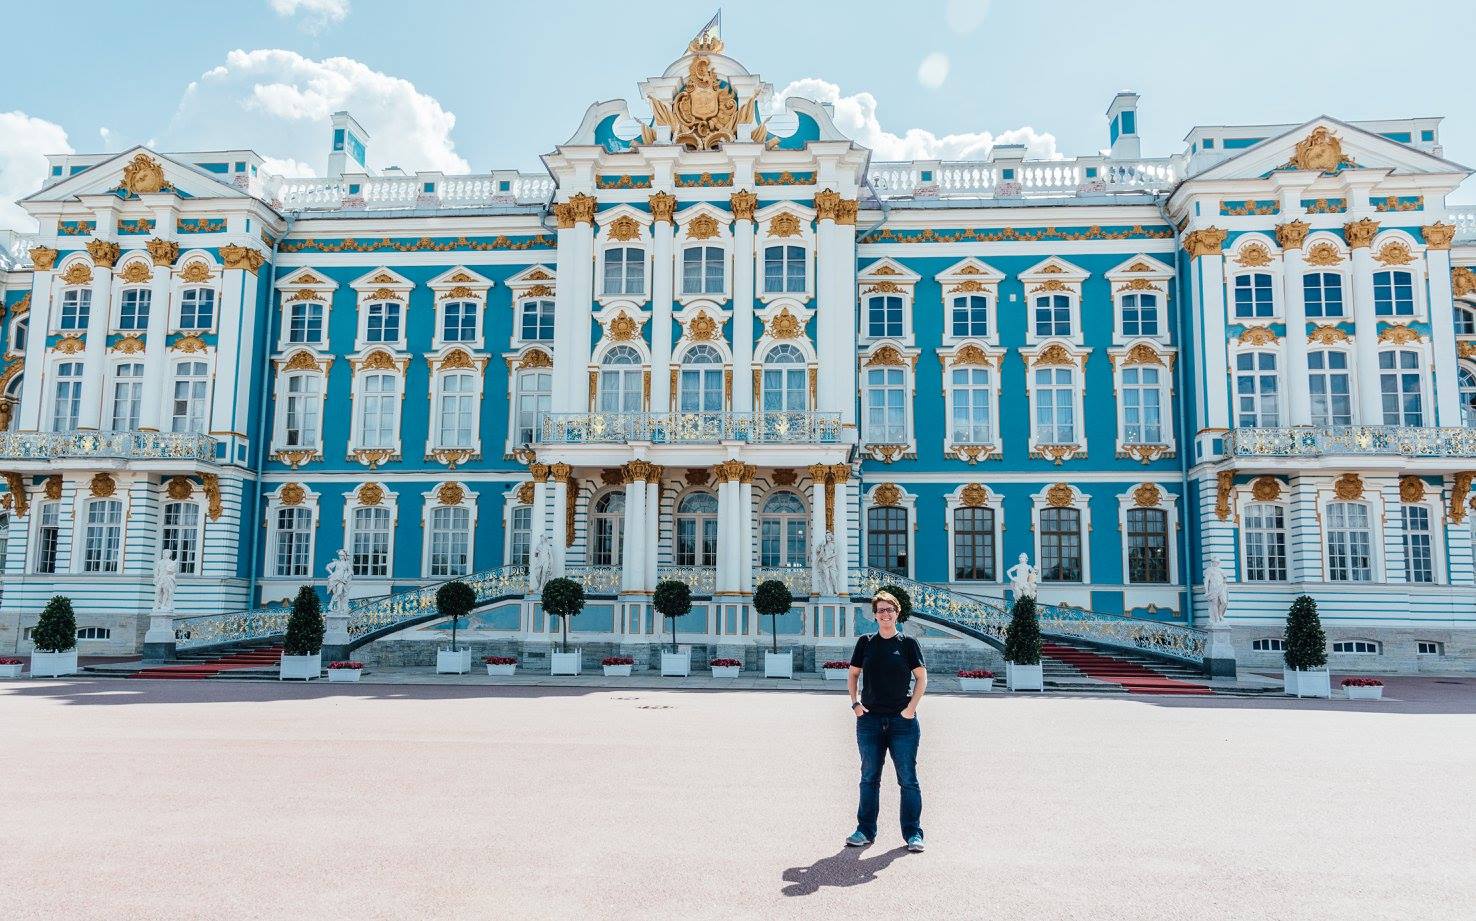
(306, 277)
(135, 171)
(1327, 145)
(887, 269)
(382, 278)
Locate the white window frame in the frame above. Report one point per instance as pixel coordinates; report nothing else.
(1377, 650)
(176, 318)
(1139, 275)
(198, 533)
(684, 241)
(439, 372)
(274, 505)
(459, 285)
(1281, 394)
(288, 367)
(522, 303)
(1416, 267)
(1077, 365)
(83, 525)
(358, 393)
(700, 517)
(761, 367)
(51, 395)
(951, 361)
(1283, 502)
(305, 285)
(994, 501)
(19, 326)
(1436, 513)
(1349, 371)
(1048, 278)
(762, 514)
(389, 502)
(764, 238)
(1124, 358)
(1375, 506)
(116, 326)
(1168, 503)
(906, 501)
(598, 366)
(61, 562)
(110, 390)
(970, 277)
(1423, 362)
(430, 502)
(515, 404)
(878, 359)
(511, 504)
(1082, 503)
(174, 378)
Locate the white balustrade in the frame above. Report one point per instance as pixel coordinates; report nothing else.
(1038, 178)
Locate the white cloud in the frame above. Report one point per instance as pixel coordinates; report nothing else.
(278, 103)
(965, 16)
(316, 15)
(856, 116)
(933, 70)
(24, 143)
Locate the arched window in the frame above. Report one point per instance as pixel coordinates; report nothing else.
(625, 270)
(700, 383)
(382, 322)
(535, 396)
(1142, 405)
(76, 306)
(103, 538)
(606, 526)
(133, 309)
(969, 316)
(702, 270)
(302, 417)
(973, 544)
(784, 269)
(1257, 390)
(1263, 527)
(1349, 543)
(379, 410)
(1052, 315)
(457, 411)
(1253, 296)
(1393, 294)
(783, 527)
(191, 382)
(784, 380)
(459, 321)
(1139, 315)
(371, 541)
(884, 316)
(1060, 545)
(886, 539)
(127, 396)
(305, 323)
(197, 309)
(1323, 294)
(536, 321)
(181, 535)
(697, 530)
(621, 381)
(1330, 387)
(1055, 406)
(1399, 386)
(1147, 542)
(68, 405)
(1467, 384)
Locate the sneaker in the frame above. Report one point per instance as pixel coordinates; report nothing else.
(915, 844)
(857, 840)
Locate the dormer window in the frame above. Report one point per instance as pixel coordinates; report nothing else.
(702, 270)
(197, 309)
(784, 269)
(625, 270)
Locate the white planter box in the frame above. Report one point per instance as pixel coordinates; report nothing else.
(676, 664)
(10, 671)
(976, 684)
(1312, 682)
(453, 661)
(344, 674)
(565, 663)
(305, 668)
(506, 671)
(836, 674)
(726, 671)
(1376, 692)
(618, 671)
(53, 664)
(1024, 677)
(778, 665)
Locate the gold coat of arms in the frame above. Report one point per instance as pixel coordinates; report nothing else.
(705, 113)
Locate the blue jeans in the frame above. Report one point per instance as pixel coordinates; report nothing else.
(875, 736)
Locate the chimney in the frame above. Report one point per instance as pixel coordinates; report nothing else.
(350, 147)
(1122, 127)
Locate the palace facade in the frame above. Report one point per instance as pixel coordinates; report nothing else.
(710, 336)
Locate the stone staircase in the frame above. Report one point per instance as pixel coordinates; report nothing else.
(258, 660)
(1080, 667)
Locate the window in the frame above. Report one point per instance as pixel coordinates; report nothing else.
(305, 323)
(382, 322)
(68, 397)
(784, 386)
(304, 393)
(536, 322)
(1060, 545)
(103, 537)
(1329, 383)
(973, 393)
(1142, 411)
(1268, 645)
(535, 396)
(133, 312)
(782, 532)
(450, 541)
(371, 541)
(886, 406)
(76, 305)
(1052, 315)
(48, 537)
(181, 535)
(1430, 649)
(1360, 647)
(197, 308)
(886, 539)
(969, 316)
(1264, 529)
(973, 544)
(1253, 297)
(379, 411)
(1465, 320)
(1055, 406)
(459, 321)
(127, 397)
(625, 270)
(1399, 384)
(94, 633)
(1349, 543)
(18, 334)
(190, 382)
(1256, 390)
(1418, 547)
(697, 530)
(606, 525)
(884, 317)
(1393, 294)
(1139, 315)
(702, 270)
(456, 411)
(521, 541)
(294, 535)
(784, 269)
(621, 381)
(1147, 540)
(1322, 292)
(1466, 382)
(700, 381)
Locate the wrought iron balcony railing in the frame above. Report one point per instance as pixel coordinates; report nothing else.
(44, 446)
(1370, 440)
(691, 428)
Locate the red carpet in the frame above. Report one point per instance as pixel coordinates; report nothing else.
(1134, 678)
(250, 658)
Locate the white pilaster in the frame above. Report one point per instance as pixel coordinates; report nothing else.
(95, 349)
(42, 291)
(663, 268)
(1208, 284)
(230, 393)
(835, 270)
(1304, 527)
(156, 367)
(840, 474)
(1442, 327)
(743, 315)
(818, 473)
(572, 303)
(560, 516)
(745, 530)
(1366, 339)
(728, 563)
(653, 524)
(1299, 397)
(633, 554)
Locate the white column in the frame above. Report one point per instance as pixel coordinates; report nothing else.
(1207, 281)
(1366, 334)
(818, 475)
(835, 273)
(840, 475)
(653, 523)
(1304, 527)
(560, 473)
(39, 329)
(742, 309)
(633, 552)
(231, 392)
(1442, 328)
(728, 537)
(94, 353)
(156, 367)
(1299, 397)
(745, 529)
(662, 286)
(572, 299)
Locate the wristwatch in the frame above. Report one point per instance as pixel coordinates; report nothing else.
(855, 704)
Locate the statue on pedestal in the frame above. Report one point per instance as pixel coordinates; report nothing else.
(823, 575)
(1024, 578)
(1216, 591)
(166, 575)
(540, 563)
(340, 577)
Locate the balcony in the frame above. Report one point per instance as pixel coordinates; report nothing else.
(769, 428)
(127, 446)
(1355, 440)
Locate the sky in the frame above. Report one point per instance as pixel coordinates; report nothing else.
(464, 86)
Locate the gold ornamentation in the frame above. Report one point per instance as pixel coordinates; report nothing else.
(1142, 354)
(179, 488)
(371, 494)
(242, 257)
(306, 294)
(536, 358)
(827, 201)
(1462, 281)
(1054, 354)
(457, 360)
(743, 203)
(539, 472)
(702, 328)
(1057, 453)
(974, 495)
(1060, 495)
(1466, 349)
(1394, 252)
(623, 328)
(1147, 495)
(1143, 284)
(663, 206)
(654, 473)
(571, 504)
(296, 458)
(887, 453)
(1437, 235)
(189, 344)
(968, 286)
(702, 227)
(78, 273)
(195, 272)
(884, 287)
(704, 113)
(372, 457)
(143, 175)
(1145, 454)
(784, 224)
(1052, 284)
(1411, 489)
(970, 356)
(1324, 252)
(1207, 241)
(291, 494)
(22, 306)
(70, 345)
(1254, 254)
(17, 486)
(52, 488)
(539, 291)
(1459, 489)
(453, 494)
(887, 494)
(137, 272)
(1348, 487)
(379, 360)
(1398, 334)
(1321, 151)
(1224, 484)
(129, 345)
(886, 356)
(389, 294)
(1360, 233)
(973, 453)
(697, 476)
(103, 486)
(1328, 334)
(624, 228)
(846, 210)
(785, 477)
(104, 254)
(452, 457)
(785, 325)
(579, 209)
(458, 278)
(302, 361)
(1265, 489)
(1292, 234)
(1258, 335)
(43, 257)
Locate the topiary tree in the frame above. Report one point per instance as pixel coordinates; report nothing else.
(305, 626)
(673, 599)
(1022, 637)
(455, 600)
(1306, 644)
(56, 629)
(904, 601)
(563, 598)
(773, 598)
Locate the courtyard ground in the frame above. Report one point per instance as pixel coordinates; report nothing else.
(235, 799)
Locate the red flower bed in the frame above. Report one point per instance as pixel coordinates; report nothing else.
(617, 660)
(975, 673)
(353, 665)
(1362, 683)
(838, 663)
(500, 660)
(725, 663)
(11, 661)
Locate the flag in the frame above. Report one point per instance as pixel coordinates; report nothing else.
(710, 37)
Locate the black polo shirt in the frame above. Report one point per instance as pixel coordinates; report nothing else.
(886, 670)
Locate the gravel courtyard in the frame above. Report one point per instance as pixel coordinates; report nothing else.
(216, 799)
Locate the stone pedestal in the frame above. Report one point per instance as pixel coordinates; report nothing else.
(335, 636)
(158, 644)
(1219, 655)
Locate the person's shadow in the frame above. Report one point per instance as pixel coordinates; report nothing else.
(846, 868)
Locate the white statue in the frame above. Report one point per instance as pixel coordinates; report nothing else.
(166, 574)
(540, 563)
(340, 576)
(823, 574)
(1216, 591)
(1024, 578)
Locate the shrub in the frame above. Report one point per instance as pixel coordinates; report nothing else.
(455, 600)
(305, 626)
(56, 630)
(563, 598)
(773, 598)
(975, 673)
(904, 601)
(617, 660)
(1306, 644)
(1022, 638)
(725, 663)
(673, 599)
